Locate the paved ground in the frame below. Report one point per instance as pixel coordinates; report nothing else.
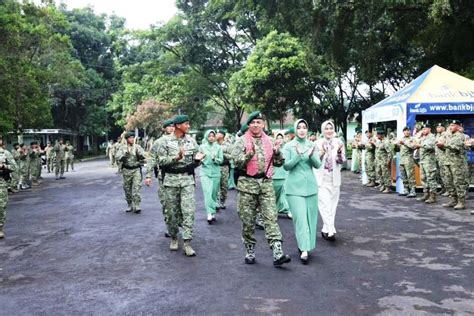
(71, 249)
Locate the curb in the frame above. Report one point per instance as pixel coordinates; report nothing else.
(92, 158)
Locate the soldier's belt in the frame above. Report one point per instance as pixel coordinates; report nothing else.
(225, 163)
(188, 169)
(257, 176)
(130, 167)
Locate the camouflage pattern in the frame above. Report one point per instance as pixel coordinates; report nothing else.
(110, 152)
(407, 163)
(15, 175)
(35, 164)
(428, 162)
(178, 188)
(60, 157)
(383, 156)
(370, 160)
(48, 150)
(440, 156)
(225, 172)
(256, 196)
(9, 164)
(24, 167)
(132, 158)
(69, 157)
(152, 162)
(455, 162)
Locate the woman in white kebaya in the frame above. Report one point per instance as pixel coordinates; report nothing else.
(328, 177)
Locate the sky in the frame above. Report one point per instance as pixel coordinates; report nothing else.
(139, 13)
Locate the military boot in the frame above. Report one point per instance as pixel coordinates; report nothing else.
(404, 193)
(382, 188)
(461, 205)
(425, 197)
(250, 253)
(2, 234)
(188, 250)
(279, 258)
(377, 185)
(386, 190)
(412, 193)
(129, 208)
(371, 184)
(174, 244)
(137, 209)
(432, 198)
(452, 203)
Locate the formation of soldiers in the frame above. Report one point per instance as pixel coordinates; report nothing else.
(21, 169)
(441, 157)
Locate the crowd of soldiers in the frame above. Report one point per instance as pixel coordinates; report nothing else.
(441, 157)
(22, 168)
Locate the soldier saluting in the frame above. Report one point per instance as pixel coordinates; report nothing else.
(255, 155)
(7, 166)
(132, 157)
(178, 156)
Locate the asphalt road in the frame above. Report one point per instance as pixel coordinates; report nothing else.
(71, 249)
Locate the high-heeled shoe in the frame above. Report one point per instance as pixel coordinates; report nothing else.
(304, 257)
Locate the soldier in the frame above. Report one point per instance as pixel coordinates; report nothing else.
(370, 159)
(407, 163)
(440, 155)
(426, 145)
(110, 152)
(15, 175)
(255, 155)
(132, 158)
(455, 151)
(59, 150)
(152, 166)
(35, 163)
(23, 167)
(225, 167)
(49, 156)
(70, 150)
(383, 157)
(7, 166)
(357, 151)
(178, 156)
(290, 134)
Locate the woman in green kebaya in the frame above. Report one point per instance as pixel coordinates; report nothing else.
(279, 178)
(301, 156)
(211, 173)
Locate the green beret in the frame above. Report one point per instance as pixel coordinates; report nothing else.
(253, 116)
(457, 122)
(244, 128)
(168, 123)
(129, 134)
(291, 130)
(358, 130)
(427, 125)
(380, 130)
(406, 128)
(180, 119)
(222, 131)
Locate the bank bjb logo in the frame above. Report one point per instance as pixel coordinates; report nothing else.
(418, 109)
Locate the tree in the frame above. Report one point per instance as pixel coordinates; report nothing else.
(149, 116)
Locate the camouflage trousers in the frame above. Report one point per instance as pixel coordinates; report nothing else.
(428, 176)
(132, 185)
(262, 203)
(15, 179)
(35, 169)
(161, 197)
(407, 171)
(180, 210)
(69, 162)
(224, 185)
(280, 196)
(50, 164)
(3, 201)
(370, 167)
(59, 167)
(384, 172)
(455, 177)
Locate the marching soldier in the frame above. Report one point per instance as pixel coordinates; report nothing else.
(407, 163)
(370, 159)
(69, 156)
(15, 175)
(152, 165)
(455, 151)
(7, 166)
(225, 167)
(178, 156)
(440, 155)
(110, 152)
(255, 155)
(426, 145)
(132, 158)
(49, 156)
(59, 150)
(383, 157)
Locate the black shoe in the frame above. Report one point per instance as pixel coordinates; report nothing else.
(223, 207)
(167, 235)
(260, 227)
(209, 221)
(332, 238)
(138, 211)
(324, 235)
(128, 210)
(283, 259)
(62, 177)
(304, 260)
(249, 260)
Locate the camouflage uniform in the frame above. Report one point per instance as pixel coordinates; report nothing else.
(15, 175)
(132, 158)
(9, 165)
(256, 195)
(440, 155)
(178, 184)
(383, 156)
(370, 162)
(407, 164)
(59, 159)
(225, 170)
(70, 157)
(49, 157)
(24, 168)
(454, 163)
(428, 163)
